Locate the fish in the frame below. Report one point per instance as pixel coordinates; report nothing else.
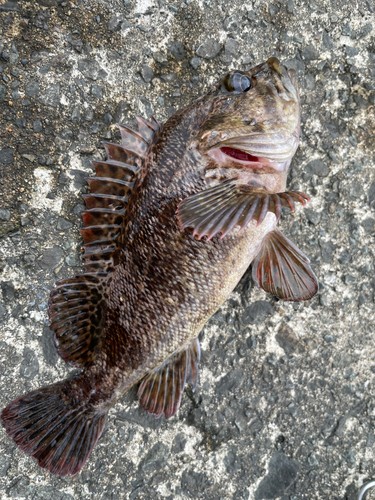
(174, 217)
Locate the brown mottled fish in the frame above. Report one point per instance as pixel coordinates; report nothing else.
(175, 216)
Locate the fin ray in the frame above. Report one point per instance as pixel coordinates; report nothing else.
(220, 208)
(161, 390)
(282, 269)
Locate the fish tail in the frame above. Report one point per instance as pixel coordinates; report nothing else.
(55, 426)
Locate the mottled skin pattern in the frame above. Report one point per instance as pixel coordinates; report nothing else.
(167, 283)
(145, 296)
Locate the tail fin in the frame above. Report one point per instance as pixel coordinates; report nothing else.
(48, 425)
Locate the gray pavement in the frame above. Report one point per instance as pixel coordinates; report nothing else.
(285, 406)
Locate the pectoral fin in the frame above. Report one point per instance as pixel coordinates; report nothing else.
(220, 208)
(161, 390)
(282, 269)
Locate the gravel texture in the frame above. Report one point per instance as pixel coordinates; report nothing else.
(285, 406)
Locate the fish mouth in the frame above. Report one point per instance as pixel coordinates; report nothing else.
(261, 153)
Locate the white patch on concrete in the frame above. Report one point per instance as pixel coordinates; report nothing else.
(142, 5)
(64, 100)
(43, 187)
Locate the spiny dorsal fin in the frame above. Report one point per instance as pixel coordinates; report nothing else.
(77, 306)
(109, 194)
(161, 390)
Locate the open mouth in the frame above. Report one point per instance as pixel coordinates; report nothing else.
(258, 164)
(239, 155)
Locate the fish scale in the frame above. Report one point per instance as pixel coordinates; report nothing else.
(165, 244)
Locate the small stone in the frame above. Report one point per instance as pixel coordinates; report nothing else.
(231, 23)
(13, 55)
(345, 257)
(230, 382)
(369, 225)
(30, 365)
(350, 280)
(76, 114)
(51, 258)
(49, 349)
(3, 92)
(16, 96)
(107, 118)
(88, 114)
(51, 96)
(147, 73)
(209, 49)
(169, 77)
(179, 443)
(6, 156)
(97, 91)
(309, 53)
(114, 22)
(8, 291)
(309, 82)
(177, 50)
(96, 127)
(231, 47)
(32, 88)
(21, 122)
(371, 191)
(29, 157)
(37, 126)
(295, 64)
(282, 473)
(317, 167)
(327, 248)
(351, 51)
(312, 216)
(89, 68)
(195, 62)
(312, 460)
(77, 44)
(193, 483)
(290, 7)
(257, 312)
(346, 29)
(6, 227)
(121, 112)
(63, 224)
(4, 214)
(8, 6)
(159, 57)
(155, 459)
(327, 42)
(288, 340)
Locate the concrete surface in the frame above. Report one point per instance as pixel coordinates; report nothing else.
(285, 406)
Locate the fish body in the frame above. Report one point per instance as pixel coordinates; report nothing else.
(175, 216)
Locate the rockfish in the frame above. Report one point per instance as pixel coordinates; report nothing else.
(175, 216)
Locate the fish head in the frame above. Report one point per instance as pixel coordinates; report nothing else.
(253, 126)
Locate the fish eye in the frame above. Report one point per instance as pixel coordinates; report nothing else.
(236, 82)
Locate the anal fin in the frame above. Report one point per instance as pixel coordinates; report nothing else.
(282, 269)
(161, 390)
